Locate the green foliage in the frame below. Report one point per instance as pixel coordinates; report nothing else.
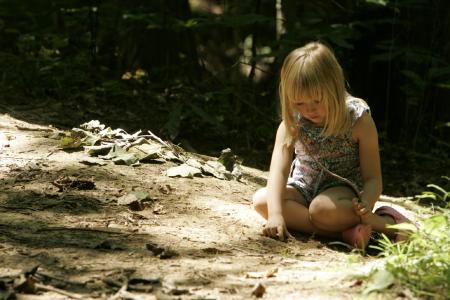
(436, 193)
(422, 263)
(381, 279)
(233, 21)
(417, 66)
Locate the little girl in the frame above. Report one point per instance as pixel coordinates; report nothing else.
(335, 179)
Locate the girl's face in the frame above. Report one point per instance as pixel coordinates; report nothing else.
(311, 108)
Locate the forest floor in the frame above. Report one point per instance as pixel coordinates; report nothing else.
(193, 238)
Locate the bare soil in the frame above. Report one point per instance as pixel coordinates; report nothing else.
(195, 238)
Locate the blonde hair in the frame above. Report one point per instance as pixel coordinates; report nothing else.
(314, 71)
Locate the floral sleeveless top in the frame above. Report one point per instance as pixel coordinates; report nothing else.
(339, 154)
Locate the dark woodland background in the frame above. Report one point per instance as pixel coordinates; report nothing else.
(204, 74)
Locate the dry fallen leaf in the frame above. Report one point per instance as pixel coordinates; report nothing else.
(183, 170)
(259, 290)
(134, 200)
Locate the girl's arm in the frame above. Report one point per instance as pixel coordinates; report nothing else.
(366, 134)
(276, 185)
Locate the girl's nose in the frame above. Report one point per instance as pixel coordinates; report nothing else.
(311, 106)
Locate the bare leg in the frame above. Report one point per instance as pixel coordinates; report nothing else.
(295, 213)
(379, 223)
(332, 210)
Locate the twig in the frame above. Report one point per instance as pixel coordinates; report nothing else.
(24, 128)
(119, 293)
(56, 290)
(139, 141)
(81, 228)
(47, 276)
(52, 152)
(158, 139)
(128, 295)
(395, 199)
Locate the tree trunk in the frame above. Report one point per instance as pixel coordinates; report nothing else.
(285, 17)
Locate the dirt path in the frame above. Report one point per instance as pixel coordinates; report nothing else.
(196, 238)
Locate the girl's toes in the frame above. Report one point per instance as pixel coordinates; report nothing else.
(358, 236)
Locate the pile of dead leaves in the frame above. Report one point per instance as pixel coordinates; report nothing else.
(103, 144)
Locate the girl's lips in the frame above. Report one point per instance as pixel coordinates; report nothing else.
(316, 120)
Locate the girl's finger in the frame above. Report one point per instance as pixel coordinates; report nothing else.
(280, 233)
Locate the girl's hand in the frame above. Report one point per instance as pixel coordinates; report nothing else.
(361, 207)
(276, 228)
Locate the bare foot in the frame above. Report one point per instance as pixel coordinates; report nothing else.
(377, 222)
(371, 219)
(358, 236)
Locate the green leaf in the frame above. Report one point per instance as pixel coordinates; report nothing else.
(340, 41)
(404, 227)
(414, 77)
(386, 56)
(435, 223)
(434, 186)
(68, 142)
(443, 85)
(447, 124)
(380, 280)
(378, 2)
(438, 72)
(427, 195)
(242, 20)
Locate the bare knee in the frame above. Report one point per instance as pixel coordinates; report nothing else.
(259, 202)
(326, 215)
(320, 212)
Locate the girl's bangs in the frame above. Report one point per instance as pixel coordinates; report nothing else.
(301, 86)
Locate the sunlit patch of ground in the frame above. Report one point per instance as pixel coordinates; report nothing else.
(206, 227)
